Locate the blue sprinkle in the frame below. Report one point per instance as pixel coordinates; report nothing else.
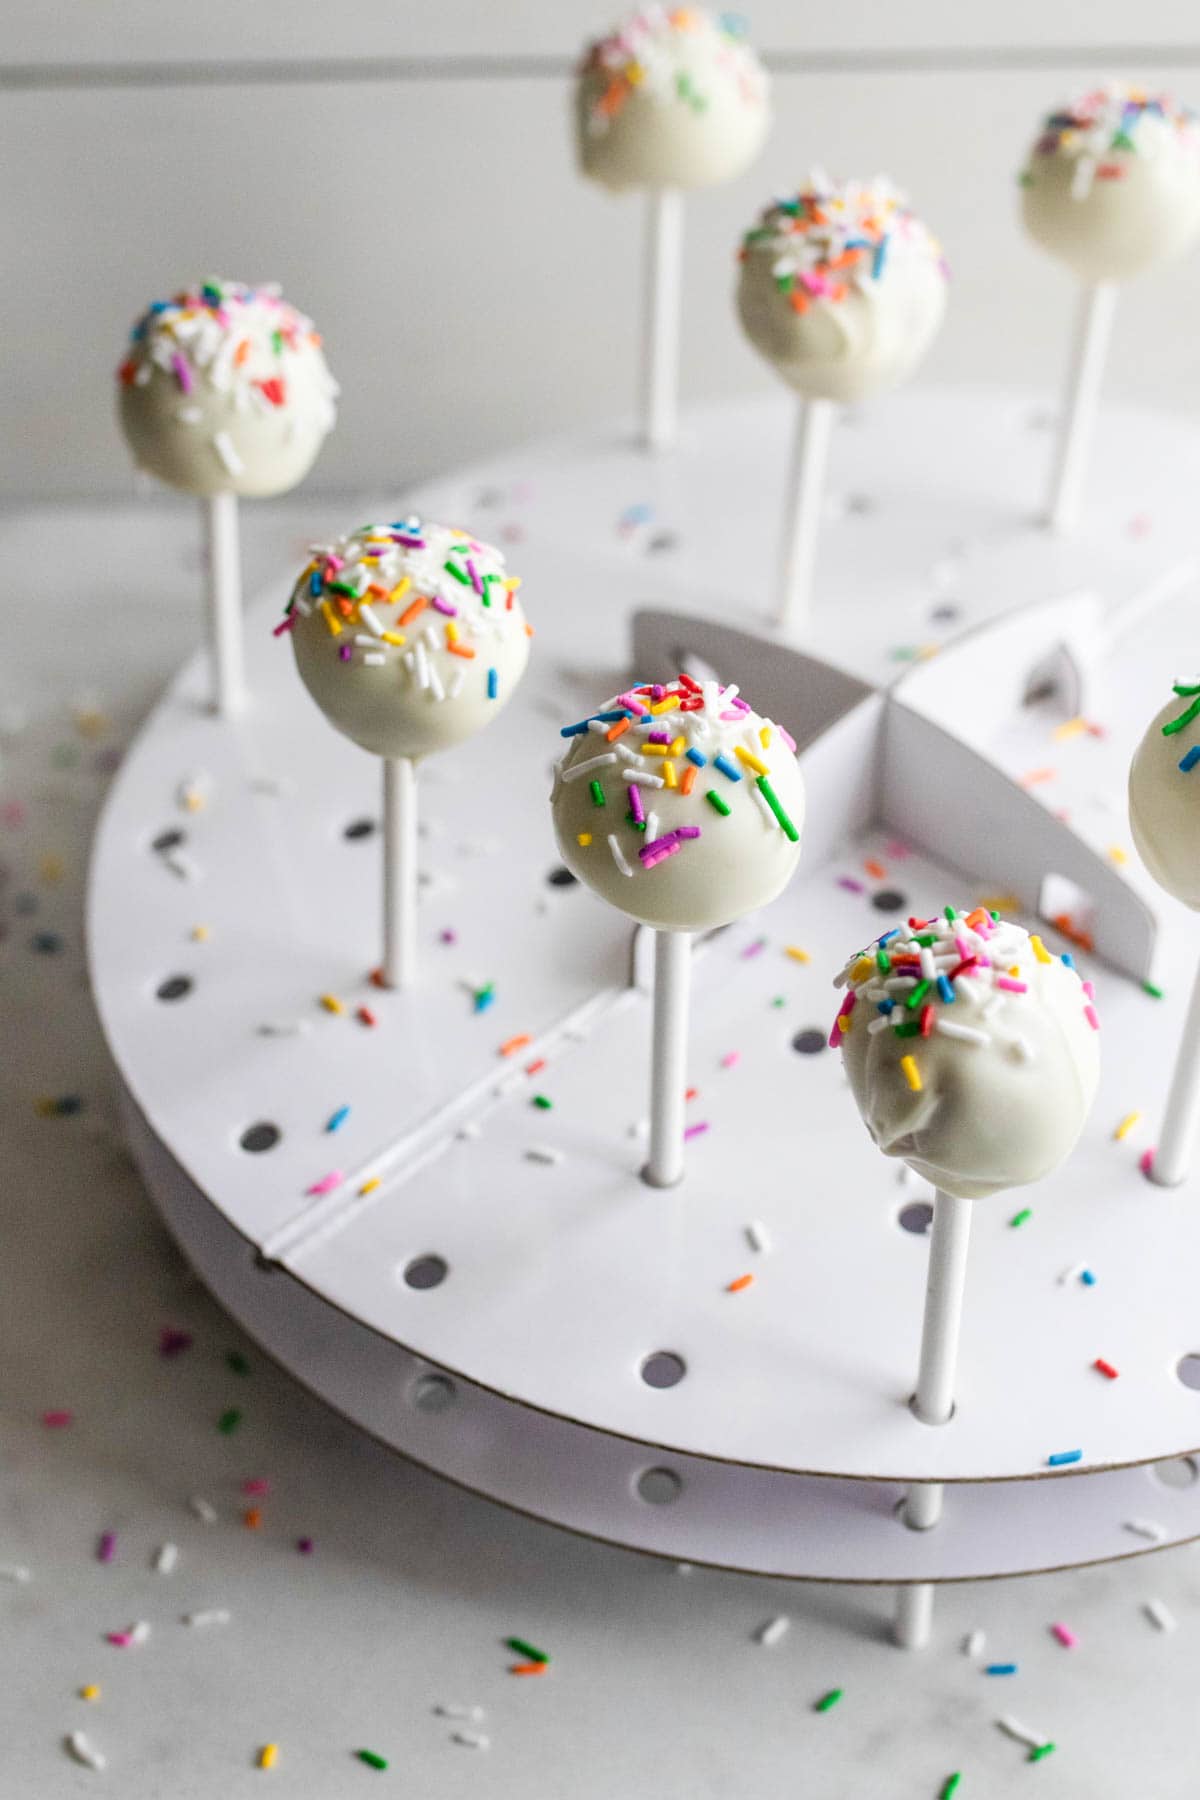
(1191, 759)
(1000, 1669)
(887, 1006)
(698, 757)
(889, 935)
(314, 584)
(1068, 959)
(880, 258)
(1060, 1458)
(944, 988)
(484, 997)
(723, 763)
(1087, 1278)
(493, 684)
(574, 730)
(338, 1119)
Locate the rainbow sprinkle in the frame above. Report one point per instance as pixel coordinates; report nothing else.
(653, 55)
(837, 236)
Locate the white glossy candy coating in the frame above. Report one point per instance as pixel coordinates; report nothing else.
(1164, 800)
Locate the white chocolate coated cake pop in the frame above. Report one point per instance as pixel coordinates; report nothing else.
(1164, 795)
(679, 805)
(1112, 184)
(409, 636)
(842, 288)
(225, 390)
(674, 98)
(971, 1050)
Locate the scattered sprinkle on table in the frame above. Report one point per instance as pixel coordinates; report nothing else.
(1019, 1218)
(337, 1119)
(130, 1638)
(268, 1756)
(796, 953)
(106, 1548)
(1106, 1369)
(758, 1237)
(235, 1360)
(80, 1747)
(740, 1285)
(829, 1700)
(1058, 1459)
(1040, 1750)
(522, 1648)
(974, 1643)
(542, 1102)
(372, 1759)
(210, 1615)
(165, 1559)
(471, 1740)
(1000, 1669)
(1150, 1529)
(1128, 1123)
(527, 1668)
(773, 1630)
(1013, 1728)
(541, 1153)
(1160, 1614)
(949, 1787)
(91, 1691)
(229, 1421)
(1065, 1636)
(332, 1004)
(57, 1419)
(203, 1509)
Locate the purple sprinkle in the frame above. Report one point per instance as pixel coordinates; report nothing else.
(409, 543)
(851, 886)
(448, 936)
(695, 1131)
(285, 625)
(106, 1549)
(444, 606)
(658, 737)
(754, 949)
(345, 653)
(473, 572)
(635, 803)
(657, 691)
(663, 846)
(171, 1341)
(688, 831)
(183, 374)
(305, 1546)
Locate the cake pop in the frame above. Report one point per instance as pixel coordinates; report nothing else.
(1164, 815)
(842, 289)
(680, 805)
(1111, 188)
(972, 1053)
(671, 100)
(225, 392)
(410, 638)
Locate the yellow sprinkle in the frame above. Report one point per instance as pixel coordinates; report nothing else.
(669, 774)
(52, 868)
(925, 651)
(751, 761)
(331, 619)
(512, 583)
(90, 724)
(1070, 728)
(861, 969)
(451, 632)
(583, 838)
(332, 1004)
(796, 953)
(679, 746)
(1127, 1125)
(1015, 971)
(667, 705)
(394, 637)
(401, 588)
(200, 934)
(368, 1187)
(1117, 854)
(764, 737)
(635, 74)
(911, 1073)
(999, 903)
(655, 749)
(1040, 950)
(267, 1756)
(91, 1691)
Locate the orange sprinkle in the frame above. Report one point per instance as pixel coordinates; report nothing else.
(511, 1045)
(252, 1518)
(874, 868)
(379, 591)
(1035, 776)
(798, 300)
(689, 779)
(528, 1668)
(743, 1281)
(536, 1066)
(410, 612)
(617, 730)
(463, 650)
(241, 353)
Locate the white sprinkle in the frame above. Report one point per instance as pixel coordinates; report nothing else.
(436, 685)
(1071, 1274)
(203, 1509)
(189, 415)
(619, 856)
(455, 688)
(471, 1740)
(272, 784)
(375, 659)
(84, 1751)
(538, 1153)
(773, 1630)
(967, 1033)
(223, 445)
(1160, 1614)
(166, 1558)
(450, 1710)
(213, 1615)
(642, 777)
(684, 1568)
(284, 1028)
(1149, 1529)
(928, 966)
(974, 1644)
(875, 1026)
(651, 827)
(370, 620)
(180, 865)
(15, 1572)
(1013, 1728)
(1020, 1050)
(589, 762)
(422, 664)
(758, 1237)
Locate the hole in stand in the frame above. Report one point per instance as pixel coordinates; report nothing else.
(659, 1487)
(561, 878)
(1188, 1369)
(916, 1217)
(1177, 1472)
(663, 1369)
(810, 1041)
(169, 840)
(175, 987)
(433, 1393)
(889, 900)
(262, 1136)
(358, 829)
(425, 1272)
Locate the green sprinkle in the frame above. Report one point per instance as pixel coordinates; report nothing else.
(529, 1651)
(918, 994)
(950, 1785)
(237, 1362)
(229, 1421)
(883, 961)
(543, 1102)
(779, 1000)
(342, 587)
(714, 799)
(926, 941)
(1019, 1218)
(1040, 1750)
(828, 1700)
(950, 915)
(372, 1759)
(277, 342)
(1024, 179)
(1122, 141)
(635, 824)
(458, 574)
(910, 1028)
(487, 591)
(772, 799)
(1151, 988)
(597, 792)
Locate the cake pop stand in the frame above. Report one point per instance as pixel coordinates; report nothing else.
(483, 1281)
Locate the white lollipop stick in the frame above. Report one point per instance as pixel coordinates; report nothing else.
(1093, 326)
(399, 871)
(1176, 1146)
(660, 327)
(227, 677)
(933, 1402)
(668, 1056)
(802, 512)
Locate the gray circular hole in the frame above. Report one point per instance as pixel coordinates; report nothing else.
(561, 878)
(358, 829)
(663, 1369)
(659, 1487)
(260, 1137)
(916, 1217)
(174, 987)
(889, 900)
(1188, 1369)
(809, 1041)
(433, 1393)
(426, 1272)
(1177, 1472)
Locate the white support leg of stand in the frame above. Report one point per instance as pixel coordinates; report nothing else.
(1093, 327)
(1176, 1146)
(933, 1402)
(802, 506)
(399, 871)
(660, 325)
(227, 691)
(668, 1056)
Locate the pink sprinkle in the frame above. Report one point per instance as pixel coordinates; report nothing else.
(1146, 1161)
(1089, 988)
(448, 936)
(327, 1183)
(754, 949)
(695, 1131)
(183, 374)
(788, 739)
(57, 1419)
(1065, 1636)
(13, 812)
(1010, 986)
(731, 1059)
(122, 1639)
(896, 849)
(256, 1484)
(1092, 1017)
(632, 702)
(963, 948)
(334, 564)
(106, 1549)
(288, 624)
(444, 606)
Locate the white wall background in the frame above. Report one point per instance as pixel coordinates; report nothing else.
(405, 171)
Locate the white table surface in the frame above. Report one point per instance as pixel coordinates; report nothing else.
(657, 1686)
